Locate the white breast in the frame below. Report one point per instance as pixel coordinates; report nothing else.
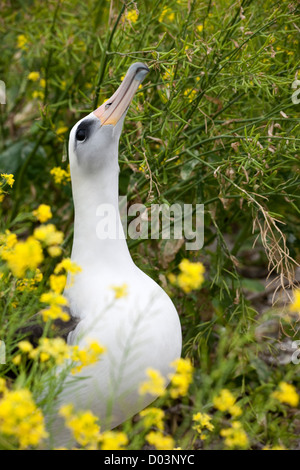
(139, 331)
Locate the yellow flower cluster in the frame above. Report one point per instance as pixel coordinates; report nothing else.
(235, 436)
(33, 76)
(287, 393)
(182, 378)
(29, 283)
(60, 175)
(120, 291)
(27, 255)
(22, 42)
(69, 267)
(20, 418)
(113, 440)
(189, 94)
(225, 402)
(43, 213)
(86, 357)
(295, 305)
(38, 94)
(49, 237)
(60, 131)
(49, 349)
(153, 416)
(203, 421)
(86, 430)
(58, 283)
(191, 276)
(7, 179)
(57, 351)
(83, 425)
(53, 298)
(166, 14)
(155, 385)
(21, 256)
(132, 16)
(54, 311)
(160, 441)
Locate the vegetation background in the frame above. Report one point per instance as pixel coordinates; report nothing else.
(213, 123)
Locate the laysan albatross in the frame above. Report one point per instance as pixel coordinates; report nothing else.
(139, 330)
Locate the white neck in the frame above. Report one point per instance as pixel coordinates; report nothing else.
(91, 246)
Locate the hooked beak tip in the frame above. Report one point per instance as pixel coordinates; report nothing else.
(113, 109)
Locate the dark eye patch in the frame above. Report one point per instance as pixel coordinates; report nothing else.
(84, 130)
(81, 134)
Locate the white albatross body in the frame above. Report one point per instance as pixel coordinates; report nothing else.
(140, 330)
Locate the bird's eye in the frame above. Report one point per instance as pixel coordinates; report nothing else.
(107, 105)
(81, 134)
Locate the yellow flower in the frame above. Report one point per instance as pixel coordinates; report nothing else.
(132, 16)
(58, 283)
(42, 82)
(52, 298)
(25, 346)
(54, 251)
(153, 417)
(48, 234)
(203, 421)
(286, 394)
(51, 348)
(155, 385)
(159, 441)
(182, 378)
(200, 27)
(120, 291)
(274, 448)
(62, 130)
(67, 265)
(9, 179)
(38, 94)
(21, 419)
(89, 355)
(34, 76)
(166, 14)
(168, 75)
(2, 385)
(43, 213)
(113, 440)
(17, 359)
(23, 256)
(7, 242)
(54, 312)
(191, 276)
(189, 94)
(235, 436)
(83, 425)
(295, 306)
(29, 283)
(60, 175)
(225, 402)
(22, 42)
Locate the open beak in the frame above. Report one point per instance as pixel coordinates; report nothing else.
(113, 109)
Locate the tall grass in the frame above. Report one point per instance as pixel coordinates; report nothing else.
(214, 123)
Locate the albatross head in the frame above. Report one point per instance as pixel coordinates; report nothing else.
(93, 142)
